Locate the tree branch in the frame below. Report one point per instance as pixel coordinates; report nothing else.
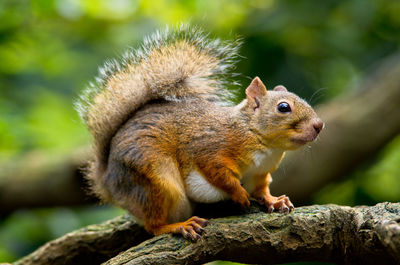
(90, 245)
(38, 181)
(328, 233)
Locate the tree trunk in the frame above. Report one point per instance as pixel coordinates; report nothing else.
(327, 233)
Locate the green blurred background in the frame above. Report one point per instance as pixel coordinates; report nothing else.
(51, 49)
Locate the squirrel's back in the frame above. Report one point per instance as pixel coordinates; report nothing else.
(173, 64)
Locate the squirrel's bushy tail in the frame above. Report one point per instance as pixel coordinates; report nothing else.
(172, 64)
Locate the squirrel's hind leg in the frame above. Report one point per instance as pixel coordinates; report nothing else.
(167, 204)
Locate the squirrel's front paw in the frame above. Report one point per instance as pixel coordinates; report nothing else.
(242, 198)
(281, 203)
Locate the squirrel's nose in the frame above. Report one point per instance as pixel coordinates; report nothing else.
(318, 125)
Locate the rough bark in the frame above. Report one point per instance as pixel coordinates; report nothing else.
(328, 233)
(357, 126)
(90, 245)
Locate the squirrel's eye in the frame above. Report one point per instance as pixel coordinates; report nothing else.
(284, 107)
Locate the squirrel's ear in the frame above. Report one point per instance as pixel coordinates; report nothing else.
(280, 88)
(255, 91)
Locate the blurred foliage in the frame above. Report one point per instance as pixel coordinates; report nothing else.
(50, 49)
(25, 230)
(375, 181)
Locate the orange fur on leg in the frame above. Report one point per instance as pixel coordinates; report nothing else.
(167, 202)
(223, 174)
(264, 197)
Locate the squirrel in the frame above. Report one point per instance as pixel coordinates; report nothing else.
(164, 140)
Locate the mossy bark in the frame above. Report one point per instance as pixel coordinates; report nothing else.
(330, 233)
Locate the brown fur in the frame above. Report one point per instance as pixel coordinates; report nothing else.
(174, 71)
(164, 141)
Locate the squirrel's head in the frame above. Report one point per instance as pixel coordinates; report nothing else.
(282, 118)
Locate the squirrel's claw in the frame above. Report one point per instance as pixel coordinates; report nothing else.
(189, 233)
(193, 228)
(281, 203)
(284, 209)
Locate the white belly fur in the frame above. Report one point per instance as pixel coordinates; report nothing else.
(199, 189)
(263, 163)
